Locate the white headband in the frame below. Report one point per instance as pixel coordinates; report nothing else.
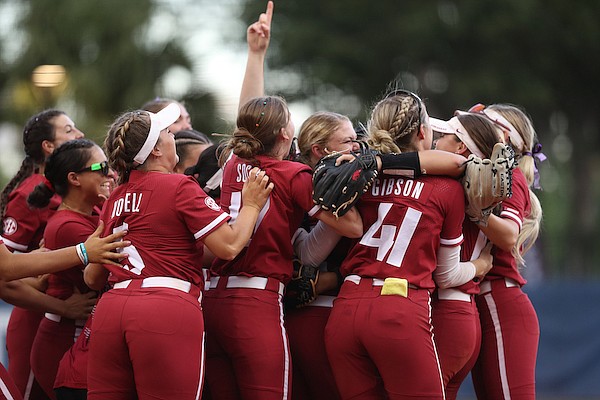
(454, 127)
(513, 134)
(158, 122)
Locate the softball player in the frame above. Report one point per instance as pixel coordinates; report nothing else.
(22, 232)
(78, 172)
(379, 335)
(455, 316)
(505, 368)
(152, 316)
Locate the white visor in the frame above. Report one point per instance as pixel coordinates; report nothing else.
(454, 127)
(515, 137)
(158, 122)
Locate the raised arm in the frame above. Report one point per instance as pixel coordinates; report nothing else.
(258, 36)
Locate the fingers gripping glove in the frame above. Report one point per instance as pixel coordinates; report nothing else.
(338, 188)
(302, 289)
(488, 182)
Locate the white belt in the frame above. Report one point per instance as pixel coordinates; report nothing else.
(453, 294)
(58, 318)
(244, 282)
(159, 281)
(322, 301)
(486, 286)
(376, 281)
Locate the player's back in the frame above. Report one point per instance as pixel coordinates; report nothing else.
(406, 220)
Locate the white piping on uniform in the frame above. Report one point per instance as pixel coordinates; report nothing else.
(500, 344)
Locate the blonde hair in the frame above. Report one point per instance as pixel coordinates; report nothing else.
(317, 129)
(395, 122)
(258, 124)
(125, 138)
(532, 223)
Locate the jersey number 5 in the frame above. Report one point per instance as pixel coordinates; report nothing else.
(393, 241)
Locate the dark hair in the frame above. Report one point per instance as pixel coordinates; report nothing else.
(71, 156)
(37, 129)
(206, 167)
(258, 124)
(125, 138)
(186, 138)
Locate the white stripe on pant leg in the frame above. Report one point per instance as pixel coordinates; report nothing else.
(286, 353)
(29, 386)
(500, 344)
(437, 358)
(201, 382)
(5, 391)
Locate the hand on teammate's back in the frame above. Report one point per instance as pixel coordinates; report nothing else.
(256, 189)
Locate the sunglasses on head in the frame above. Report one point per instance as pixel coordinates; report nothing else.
(416, 98)
(101, 167)
(480, 109)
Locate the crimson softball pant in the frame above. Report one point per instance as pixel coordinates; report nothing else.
(20, 333)
(247, 349)
(381, 346)
(147, 344)
(510, 329)
(8, 389)
(53, 340)
(457, 335)
(312, 375)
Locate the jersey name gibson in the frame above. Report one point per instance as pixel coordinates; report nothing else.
(397, 187)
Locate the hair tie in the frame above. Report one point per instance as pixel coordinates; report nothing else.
(48, 184)
(538, 158)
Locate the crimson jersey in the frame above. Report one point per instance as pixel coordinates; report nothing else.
(67, 228)
(270, 251)
(165, 216)
(474, 241)
(406, 221)
(23, 225)
(516, 208)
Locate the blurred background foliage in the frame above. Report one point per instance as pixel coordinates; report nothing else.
(340, 56)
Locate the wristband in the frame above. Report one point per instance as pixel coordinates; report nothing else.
(402, 164)
(82, 253)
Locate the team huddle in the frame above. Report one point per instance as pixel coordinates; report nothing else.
(331, 264)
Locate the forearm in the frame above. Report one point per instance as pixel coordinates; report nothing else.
(16, 266)
(349, 225)
(313, 247)
(450, 272)
(95, 276)
(253, 84)
(22, 295)
(502, 232)
(437, 162)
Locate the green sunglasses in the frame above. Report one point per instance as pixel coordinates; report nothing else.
(101, 167)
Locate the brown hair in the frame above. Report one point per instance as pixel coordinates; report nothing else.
(258, 124)
(125, 138)
(482, 132)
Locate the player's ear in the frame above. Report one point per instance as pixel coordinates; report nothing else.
(317, 151)
(461, 149)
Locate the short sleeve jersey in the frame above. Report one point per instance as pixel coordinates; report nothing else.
(67, 228)
(165, 216)
(24, 225)
(516, 208)
(269, 252)
(406, 221)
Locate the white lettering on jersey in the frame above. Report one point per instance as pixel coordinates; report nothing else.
(397, 187)
(242, 172)
(130, 203)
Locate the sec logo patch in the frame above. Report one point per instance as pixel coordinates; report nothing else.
(212, 204)
(10, 226)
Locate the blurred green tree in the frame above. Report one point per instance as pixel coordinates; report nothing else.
(115, 59)
(542, 55)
